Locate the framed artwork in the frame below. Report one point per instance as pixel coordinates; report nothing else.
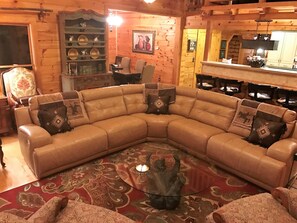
(143, 41)
(191, 45)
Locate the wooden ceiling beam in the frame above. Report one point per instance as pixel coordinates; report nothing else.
(292, 4)
(250, 16)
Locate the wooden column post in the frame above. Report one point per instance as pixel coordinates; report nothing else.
(207, 40)
(180, 25)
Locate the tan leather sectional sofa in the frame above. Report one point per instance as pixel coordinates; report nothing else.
(115, 118)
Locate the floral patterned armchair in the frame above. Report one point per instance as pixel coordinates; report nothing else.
(278, 207)
(19, 86)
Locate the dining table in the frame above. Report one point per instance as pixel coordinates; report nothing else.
(126, 77)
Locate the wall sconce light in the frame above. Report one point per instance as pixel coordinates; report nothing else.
(149, 1)
(114, 20)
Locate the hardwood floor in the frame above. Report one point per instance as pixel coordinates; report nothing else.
(16, 172)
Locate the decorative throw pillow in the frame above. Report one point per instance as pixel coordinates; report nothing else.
(265, 132)
(170, 91)
(53, 117)
(160, 90)
(158, 104)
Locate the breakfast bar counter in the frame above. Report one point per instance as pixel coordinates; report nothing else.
(286, 79)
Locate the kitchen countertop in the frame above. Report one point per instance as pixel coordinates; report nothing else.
(282, 78)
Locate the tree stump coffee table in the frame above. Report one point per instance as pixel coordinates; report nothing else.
(164, 173)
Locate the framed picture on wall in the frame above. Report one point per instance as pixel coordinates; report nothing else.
(191, 45)
(143, 41)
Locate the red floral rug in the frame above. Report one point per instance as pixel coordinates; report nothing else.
(98, 183)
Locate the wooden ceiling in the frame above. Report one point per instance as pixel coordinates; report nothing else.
(225, 10)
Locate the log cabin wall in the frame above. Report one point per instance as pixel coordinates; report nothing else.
(165, 47)
(44, 34)
(187, 66)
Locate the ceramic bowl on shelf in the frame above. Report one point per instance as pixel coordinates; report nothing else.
(72, 54)
(82, 40)
(94, 53)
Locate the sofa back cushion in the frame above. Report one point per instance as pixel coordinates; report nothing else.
(74, 121)
(133, 98)
(214, 109)
(104, 103)
(247, 110)
(184, 101)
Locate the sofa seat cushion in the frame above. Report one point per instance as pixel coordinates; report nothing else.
(71, 148)
(157, 124)
(192, 134)
(233, 151)
(123, 130)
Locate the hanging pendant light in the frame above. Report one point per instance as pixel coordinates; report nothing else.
(149, 1)
(114, 20)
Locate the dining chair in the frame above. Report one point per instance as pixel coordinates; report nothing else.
(139, 66)
(147, 74)
(19, 85)
(125, 64)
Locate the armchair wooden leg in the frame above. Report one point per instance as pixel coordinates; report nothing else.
(1, 155)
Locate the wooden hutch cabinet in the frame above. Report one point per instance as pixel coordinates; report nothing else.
(5, 116)
(83, 50)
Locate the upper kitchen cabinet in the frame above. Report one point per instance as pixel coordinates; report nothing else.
(284, 56)
(83, 50)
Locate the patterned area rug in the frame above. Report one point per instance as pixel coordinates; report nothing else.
(98, 183)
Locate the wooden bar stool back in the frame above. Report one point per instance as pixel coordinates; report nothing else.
(205, 82)
(261, 93)
(229, 86)
(287, 98)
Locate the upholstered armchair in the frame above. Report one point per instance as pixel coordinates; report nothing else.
(19, 86)
(62, 210)
(278, 207)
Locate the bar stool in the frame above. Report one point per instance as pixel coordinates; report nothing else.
(260, 92)
(205, 82)
(229, 86)
(286, 98)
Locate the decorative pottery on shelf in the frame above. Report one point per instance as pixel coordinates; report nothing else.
(94, 53)
(72, 54)
(256, 61)
(82, 40)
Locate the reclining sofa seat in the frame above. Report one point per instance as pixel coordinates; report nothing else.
(107, 110)
(199, 122)
(210, 114)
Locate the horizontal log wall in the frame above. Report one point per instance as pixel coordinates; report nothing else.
(120, 42)
(45, 35)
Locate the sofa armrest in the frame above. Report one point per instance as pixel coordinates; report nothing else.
(22, 116)
(288, 198)
(35, 135)
(50, 210)
(283, 150)
(30, 137)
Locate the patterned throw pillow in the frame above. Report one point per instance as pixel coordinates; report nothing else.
(265, 132)
(158, 104)
(53, 117)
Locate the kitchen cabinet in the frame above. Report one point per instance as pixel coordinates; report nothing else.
(286, 51)
(83, 50)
